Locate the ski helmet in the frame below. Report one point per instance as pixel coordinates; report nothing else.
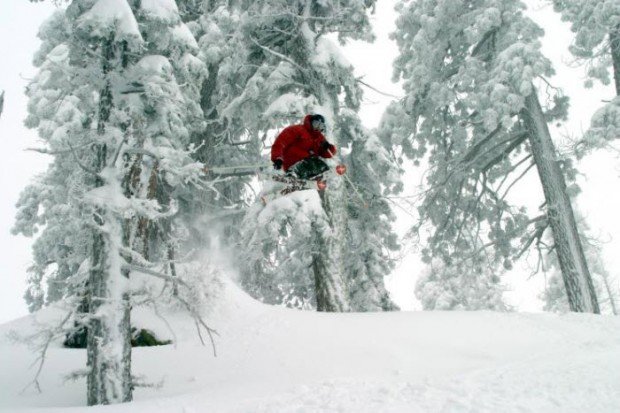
(318, 122)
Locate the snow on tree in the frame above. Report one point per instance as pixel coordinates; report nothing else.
(225, 141)
(370, 240)
(108, 29)
(472, 113)
(603, 131)
(596, 24)
(277, 259)
(166, 113)
(115, 102)
(452, 287)
(294, 69)
(57, 106)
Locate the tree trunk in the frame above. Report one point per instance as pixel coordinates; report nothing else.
(1, 102)
(109, 331)
(610, 293)
(577, 278)
(328, 260)
(328, 283)
(328, 264)
(614, 41)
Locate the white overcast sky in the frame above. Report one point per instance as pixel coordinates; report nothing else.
(600, 202)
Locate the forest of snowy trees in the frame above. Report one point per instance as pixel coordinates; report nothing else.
(158, 117)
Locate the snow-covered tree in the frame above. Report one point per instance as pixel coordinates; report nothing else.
(472, 113)
(596, 24)
(370, 240)
(165, 107)
(278, 254)
(108, 30)
(115, 102)
(452, 287)
(57, 105)
(298, 70)
(225, 141)
(277, 261)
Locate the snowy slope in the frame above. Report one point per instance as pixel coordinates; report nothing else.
(278, 360)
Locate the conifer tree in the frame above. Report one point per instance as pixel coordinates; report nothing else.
(301, 71)
(596, 24)
(228, 138)
(454, 287)
(57, 107)
(115, 103)
(370, 241)
(472, 112)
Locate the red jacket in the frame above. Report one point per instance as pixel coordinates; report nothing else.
(299, 142)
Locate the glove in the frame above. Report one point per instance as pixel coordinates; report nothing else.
(326, 146)
(277, 164)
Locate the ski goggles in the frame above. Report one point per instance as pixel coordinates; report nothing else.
(319, 125)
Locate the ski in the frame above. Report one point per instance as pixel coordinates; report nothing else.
(291, 184)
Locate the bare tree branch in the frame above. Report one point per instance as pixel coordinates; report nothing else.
(279, 55)
(50, 334)
(530, 166)
(360, 81)
(197, 317)
(58, 151)
(537, 235)
(518, 140)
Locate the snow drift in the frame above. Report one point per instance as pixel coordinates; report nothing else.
(272, 359)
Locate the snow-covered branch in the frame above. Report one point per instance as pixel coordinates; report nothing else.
(190, 308)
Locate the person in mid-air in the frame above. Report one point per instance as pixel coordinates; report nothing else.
(298, 149)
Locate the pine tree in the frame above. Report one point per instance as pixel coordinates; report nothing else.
(596, 24)
(115, 101)
(282, 86)
(277, 261)
(228, 138)
(300, 71)
(472, 112)
(58, 106)
(452, 287)
(373, 175)
(108, 29)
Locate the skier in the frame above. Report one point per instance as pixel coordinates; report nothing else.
(298, 148)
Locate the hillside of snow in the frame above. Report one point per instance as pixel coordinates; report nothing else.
(272, 359)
